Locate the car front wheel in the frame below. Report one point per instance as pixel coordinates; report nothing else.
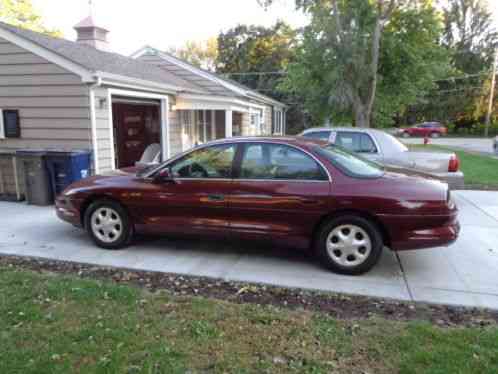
(108, 224)
(349, 245)
(435, 135)
(405, 135)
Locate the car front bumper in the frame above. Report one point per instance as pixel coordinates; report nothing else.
(66, 211)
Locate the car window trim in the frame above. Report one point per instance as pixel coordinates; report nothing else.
(374, 141)
(238, 166)
(236, 163)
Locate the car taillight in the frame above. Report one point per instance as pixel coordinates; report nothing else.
(454, 164)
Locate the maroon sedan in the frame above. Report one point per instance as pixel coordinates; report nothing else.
(426, 129)
(294, 191)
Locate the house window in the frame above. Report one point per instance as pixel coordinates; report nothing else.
(9, 124)
(256, 124)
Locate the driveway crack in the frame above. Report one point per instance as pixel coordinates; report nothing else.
(410, 294)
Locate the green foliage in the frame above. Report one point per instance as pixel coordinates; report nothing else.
(327, 71)
(470, 35)
(201, 54)
(253, 49)
(22, 14)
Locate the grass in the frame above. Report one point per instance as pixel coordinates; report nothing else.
(58, 324)
(478, 169)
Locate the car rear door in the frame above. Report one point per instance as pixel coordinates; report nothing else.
(359, 142)
(279, 191)
(196, 199)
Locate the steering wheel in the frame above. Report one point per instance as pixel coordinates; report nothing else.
(195, 171)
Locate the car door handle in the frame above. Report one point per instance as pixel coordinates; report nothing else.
(309, 201)
(216, 197)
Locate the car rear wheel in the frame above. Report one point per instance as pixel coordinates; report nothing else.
(405, 135)
(349, 245)
(435, 135)
(108, 224)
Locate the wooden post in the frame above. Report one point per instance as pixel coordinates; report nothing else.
(491, 96)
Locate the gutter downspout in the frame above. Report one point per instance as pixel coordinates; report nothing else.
(93, 124)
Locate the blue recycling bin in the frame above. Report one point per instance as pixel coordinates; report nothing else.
(66, 167)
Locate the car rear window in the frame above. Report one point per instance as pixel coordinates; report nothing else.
(349, 163)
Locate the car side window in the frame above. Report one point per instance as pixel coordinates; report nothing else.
(320, 135)
(275, 161)
(367, 145)
(356, 142)
(210, 162)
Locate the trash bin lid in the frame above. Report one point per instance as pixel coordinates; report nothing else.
(64, 152)
(31, 152)
(8, 152)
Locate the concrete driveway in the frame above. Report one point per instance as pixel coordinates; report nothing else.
(464, 274)
(479, 145)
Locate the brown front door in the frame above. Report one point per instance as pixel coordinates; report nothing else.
(135, 127)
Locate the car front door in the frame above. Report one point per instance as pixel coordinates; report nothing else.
(279, 191)
(195, 198)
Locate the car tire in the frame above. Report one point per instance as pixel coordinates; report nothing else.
(435, 135)
(405, 135)
(108, 224)
(361, 243)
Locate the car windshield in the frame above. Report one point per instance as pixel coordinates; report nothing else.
(349, 163)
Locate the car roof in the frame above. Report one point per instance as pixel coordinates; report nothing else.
(289, 140)
(344, 128)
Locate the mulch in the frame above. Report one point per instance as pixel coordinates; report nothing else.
(339, 306)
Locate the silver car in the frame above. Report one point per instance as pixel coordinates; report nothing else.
(384, 148)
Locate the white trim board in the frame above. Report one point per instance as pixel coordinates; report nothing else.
(164, 115)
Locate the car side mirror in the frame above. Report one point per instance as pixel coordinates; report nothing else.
(164, 176)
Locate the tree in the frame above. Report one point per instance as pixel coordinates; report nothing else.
(255, 55)
(201, 54)
(470, 34)
(350, 33)
(22, 14)
(344, 71)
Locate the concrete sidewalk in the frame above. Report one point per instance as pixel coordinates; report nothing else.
(464, 274)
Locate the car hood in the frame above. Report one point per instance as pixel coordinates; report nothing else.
(117, 178)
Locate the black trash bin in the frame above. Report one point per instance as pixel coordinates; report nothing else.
(35, 176)
(66, 167)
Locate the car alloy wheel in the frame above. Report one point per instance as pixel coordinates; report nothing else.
(349, 245)
(435, 135)
(107, 225)
(406, 135)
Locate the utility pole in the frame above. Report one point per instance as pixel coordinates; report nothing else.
(491, 96)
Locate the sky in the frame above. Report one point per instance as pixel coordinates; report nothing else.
(163, 23)
(169, 23)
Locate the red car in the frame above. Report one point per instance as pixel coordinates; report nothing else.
(293, 191)
(426, 129)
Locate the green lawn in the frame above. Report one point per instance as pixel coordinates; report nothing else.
(478, 169)
(58, 324)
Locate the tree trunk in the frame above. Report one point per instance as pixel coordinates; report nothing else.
(361, 115)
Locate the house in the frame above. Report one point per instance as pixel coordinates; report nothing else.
(79, 95)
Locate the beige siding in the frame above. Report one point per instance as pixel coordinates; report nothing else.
(267, 125)
(53, 103)
(175, 132)
(247, 129)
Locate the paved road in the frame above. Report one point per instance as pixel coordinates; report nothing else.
(464, 274)
(480, 145)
